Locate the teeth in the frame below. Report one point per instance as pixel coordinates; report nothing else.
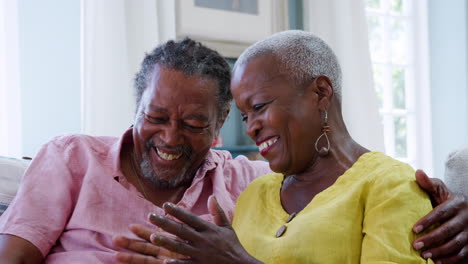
(167, 156)
(268, 143)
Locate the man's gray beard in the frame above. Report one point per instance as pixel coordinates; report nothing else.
(181, 178)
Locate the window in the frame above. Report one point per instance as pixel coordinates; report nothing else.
(399, 53)
(10, 110)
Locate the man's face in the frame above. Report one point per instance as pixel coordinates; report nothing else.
(175, 126)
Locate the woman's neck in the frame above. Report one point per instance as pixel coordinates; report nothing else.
(344, 151)
(299, 189)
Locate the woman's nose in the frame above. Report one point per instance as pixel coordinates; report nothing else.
(253, 127)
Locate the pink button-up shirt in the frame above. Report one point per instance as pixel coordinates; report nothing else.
(74, 197)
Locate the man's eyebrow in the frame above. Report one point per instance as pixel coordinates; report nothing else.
(199, 117)
(158, 109)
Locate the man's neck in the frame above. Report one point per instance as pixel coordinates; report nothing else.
(159, 196)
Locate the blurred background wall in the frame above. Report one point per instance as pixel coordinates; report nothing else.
(77, 58)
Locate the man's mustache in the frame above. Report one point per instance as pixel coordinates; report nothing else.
(185, 150)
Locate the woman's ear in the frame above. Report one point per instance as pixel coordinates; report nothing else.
(324, 90)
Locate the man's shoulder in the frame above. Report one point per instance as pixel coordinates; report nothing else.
(225, 160)
(76, 143)
(235, 173)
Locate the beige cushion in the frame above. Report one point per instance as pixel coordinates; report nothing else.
(11, 172)
(456, 171)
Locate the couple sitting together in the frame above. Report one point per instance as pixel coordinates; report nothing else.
(322, 198)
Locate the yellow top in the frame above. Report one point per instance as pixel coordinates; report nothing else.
(366, 216)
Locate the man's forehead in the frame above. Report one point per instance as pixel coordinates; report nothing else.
(161, 72)
(173, 82)
(180, 104)
(194, 112)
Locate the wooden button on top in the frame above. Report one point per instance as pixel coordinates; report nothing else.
(281, 231)
(291, 216)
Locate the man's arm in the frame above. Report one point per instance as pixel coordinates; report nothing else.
(448, 243)
(16, 250)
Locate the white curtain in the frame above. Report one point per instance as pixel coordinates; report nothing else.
(10, 100)
(115, 36)
(342, 24)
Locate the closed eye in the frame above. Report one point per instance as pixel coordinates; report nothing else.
(258, 107)
(196, 129)
(155, 120)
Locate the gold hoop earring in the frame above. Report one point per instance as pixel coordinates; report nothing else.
(325, 128)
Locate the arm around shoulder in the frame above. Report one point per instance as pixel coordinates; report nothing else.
(393, 203)
(16, 250)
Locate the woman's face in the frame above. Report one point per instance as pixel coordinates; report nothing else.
(283, 119)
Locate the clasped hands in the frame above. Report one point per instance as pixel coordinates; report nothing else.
(199, 241)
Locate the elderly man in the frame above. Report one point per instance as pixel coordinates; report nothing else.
(80, 191)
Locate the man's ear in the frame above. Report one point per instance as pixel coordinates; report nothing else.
(323, 87)
(221, 121)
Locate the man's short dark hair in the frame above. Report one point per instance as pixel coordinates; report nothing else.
(191, 58)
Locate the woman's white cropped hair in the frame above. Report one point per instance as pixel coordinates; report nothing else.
(303, 55)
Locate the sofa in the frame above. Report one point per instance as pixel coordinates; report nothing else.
(456, 171)
(11, 172)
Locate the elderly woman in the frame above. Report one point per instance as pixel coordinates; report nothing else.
(330, 200)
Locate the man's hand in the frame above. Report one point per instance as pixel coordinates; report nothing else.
(144, 252)
(448, 243)
(203, 242)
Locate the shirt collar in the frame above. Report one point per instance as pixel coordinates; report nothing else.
(212, 159)
(116, 149)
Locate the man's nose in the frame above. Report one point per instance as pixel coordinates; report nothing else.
(172, 134)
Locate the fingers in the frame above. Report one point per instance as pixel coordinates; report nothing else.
(217, 212)
(451, 248)
(136, 259)
(435, 188)
(138, 246)
(173, 245)
(439, 214)
(179, 261)
(424, 182)
(185, 216)
(457, 258)
(141, 231)
(441, 234)
(176, 228)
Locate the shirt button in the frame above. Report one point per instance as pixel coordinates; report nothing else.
(291, 216)
(281, 231)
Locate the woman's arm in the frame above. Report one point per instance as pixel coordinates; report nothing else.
(16, 250)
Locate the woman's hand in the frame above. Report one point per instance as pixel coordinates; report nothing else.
(144, 252)
(448, 243)
(204, 242)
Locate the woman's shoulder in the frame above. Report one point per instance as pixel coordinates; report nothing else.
(266, 181)
(378, 166)
(262, 185)
(377, 173)
(387, 178)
